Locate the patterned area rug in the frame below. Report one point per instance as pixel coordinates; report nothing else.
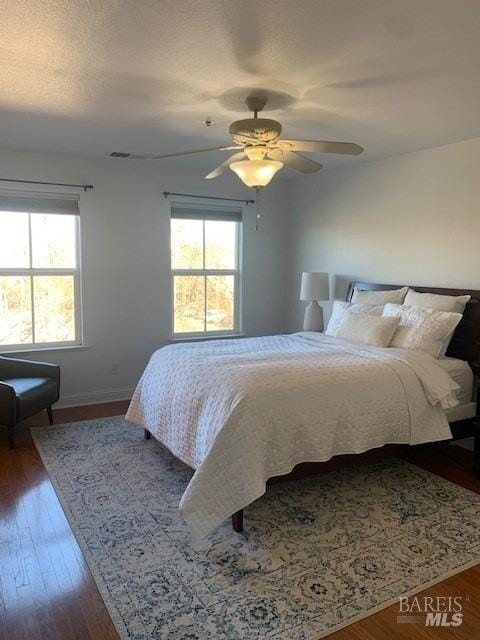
(316, 554)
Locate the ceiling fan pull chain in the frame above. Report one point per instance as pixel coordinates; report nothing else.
(257, 209)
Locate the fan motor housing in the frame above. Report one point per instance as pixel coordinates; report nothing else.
(261, 129)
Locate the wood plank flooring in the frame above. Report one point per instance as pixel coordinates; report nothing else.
(48, 593)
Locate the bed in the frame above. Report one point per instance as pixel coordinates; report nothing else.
(240, 412)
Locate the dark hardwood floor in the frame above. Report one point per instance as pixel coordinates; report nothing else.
(47, 590)
(48, 593)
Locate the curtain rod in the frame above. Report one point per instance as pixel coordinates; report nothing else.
(191, 195)
(85, 187)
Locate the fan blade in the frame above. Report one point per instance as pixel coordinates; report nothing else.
(221, 167)
(321, 146)
(188, 153)
(295, 160)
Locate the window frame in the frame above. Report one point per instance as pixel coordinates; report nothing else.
(76, 272)
(237, 284)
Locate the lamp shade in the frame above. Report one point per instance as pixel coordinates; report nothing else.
(315, 286)
(256, 173)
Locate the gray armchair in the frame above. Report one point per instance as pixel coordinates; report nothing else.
(26, 387)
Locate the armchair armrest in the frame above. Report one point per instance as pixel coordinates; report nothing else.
(16, 368)
(8, 406)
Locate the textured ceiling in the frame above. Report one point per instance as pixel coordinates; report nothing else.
(92, 76)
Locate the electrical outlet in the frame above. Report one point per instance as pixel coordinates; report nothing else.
(114, 370)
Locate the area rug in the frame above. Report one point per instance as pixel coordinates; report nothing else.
(316, 554)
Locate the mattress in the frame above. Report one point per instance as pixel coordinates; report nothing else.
(461, 373)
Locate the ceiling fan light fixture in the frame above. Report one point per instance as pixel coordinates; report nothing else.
(256, 152)
(256, 173)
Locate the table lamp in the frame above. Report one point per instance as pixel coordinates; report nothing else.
(315, 286)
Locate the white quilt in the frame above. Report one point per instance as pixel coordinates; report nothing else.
(242, 411)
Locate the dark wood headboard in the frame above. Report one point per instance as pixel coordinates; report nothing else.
(465, 343)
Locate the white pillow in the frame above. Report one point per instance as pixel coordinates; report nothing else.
(396, 296)
(420, 328)
(368, 329)
(454, 304)
(340, 309)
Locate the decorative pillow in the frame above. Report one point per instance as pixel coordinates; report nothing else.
(395, 296)
(368, 329)
(340, 309)
(455, 304)
(420, 328)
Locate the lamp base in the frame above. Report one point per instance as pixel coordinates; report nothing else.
(313, 320)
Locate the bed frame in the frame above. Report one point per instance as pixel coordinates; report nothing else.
(465, 345)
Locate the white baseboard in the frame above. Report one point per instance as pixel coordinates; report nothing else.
(93, 397)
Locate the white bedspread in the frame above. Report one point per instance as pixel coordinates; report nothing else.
(242, 411)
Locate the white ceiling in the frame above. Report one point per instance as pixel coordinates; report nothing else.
(92, 76)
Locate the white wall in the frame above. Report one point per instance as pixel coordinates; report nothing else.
(410, 219)
(413, 218)
(126, 263)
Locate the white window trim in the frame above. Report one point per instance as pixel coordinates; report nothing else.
(77, 289)
(238, 289)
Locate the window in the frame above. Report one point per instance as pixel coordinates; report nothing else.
(205, 271)
(39, 272)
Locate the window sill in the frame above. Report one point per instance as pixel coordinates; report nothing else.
(227, 336)
(70, 347)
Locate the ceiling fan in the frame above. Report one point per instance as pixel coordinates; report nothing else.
(262, 152)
